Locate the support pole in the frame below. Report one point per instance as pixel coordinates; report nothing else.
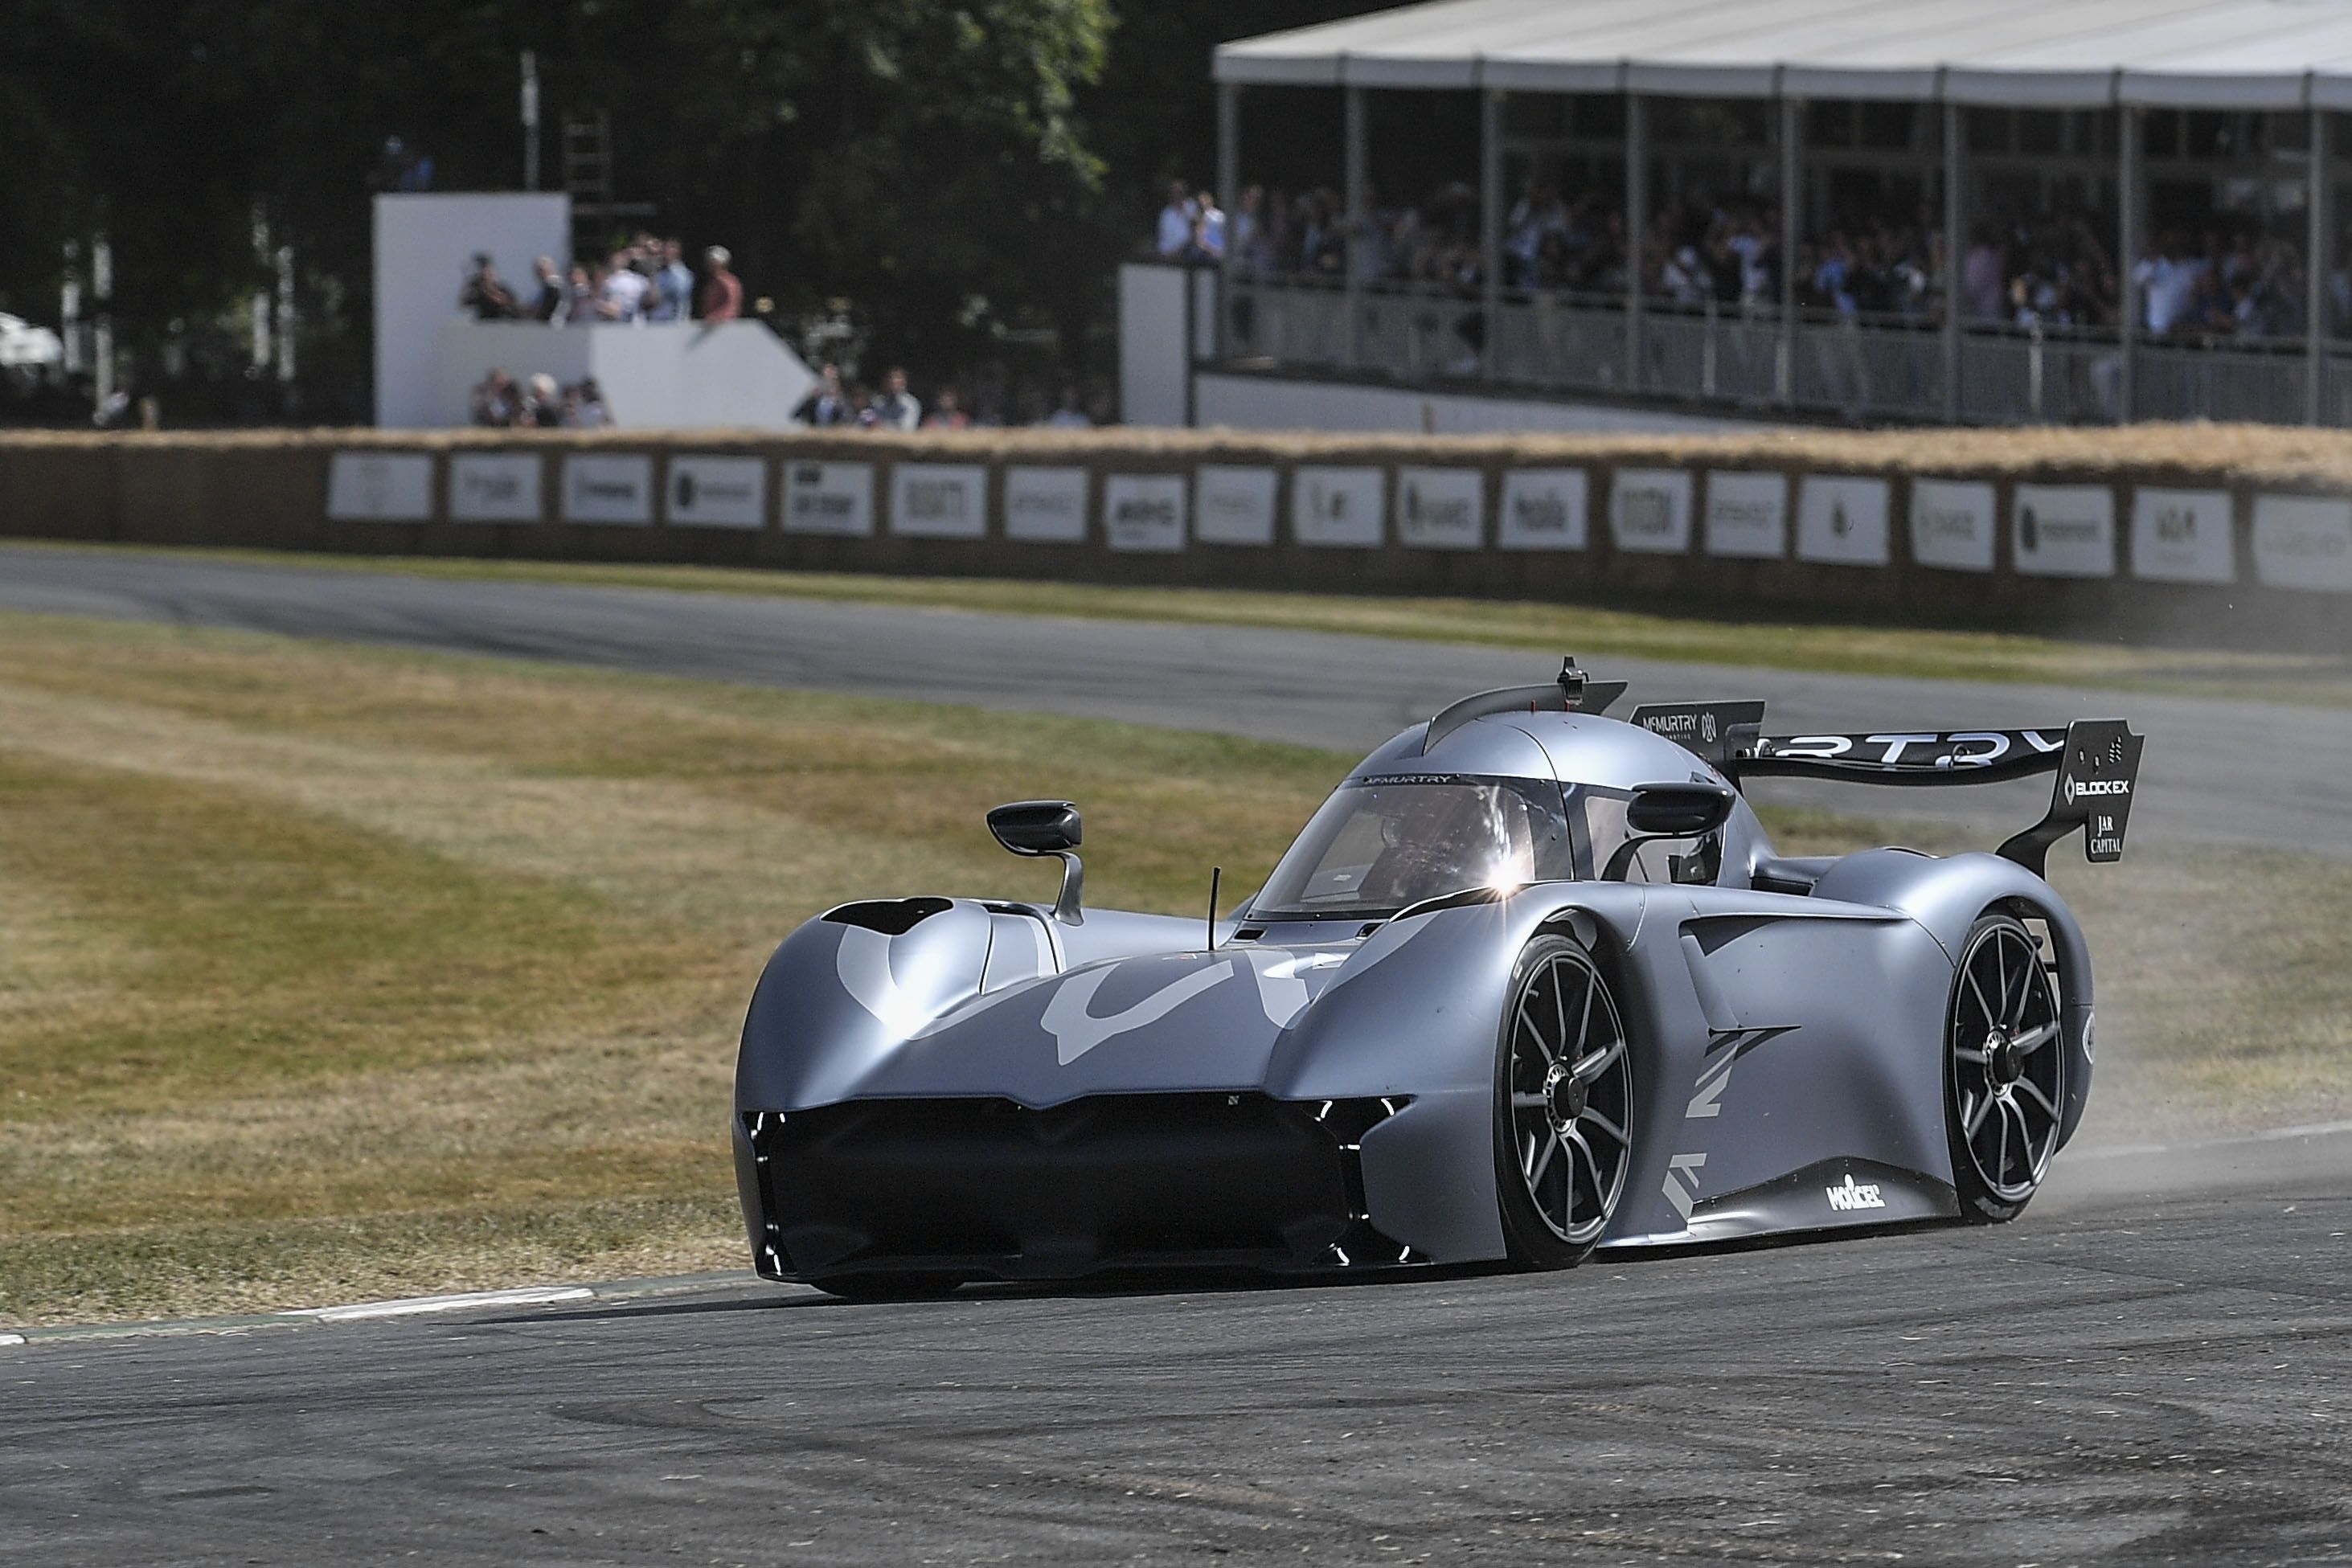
(1637, 232)
(2315, 265)
(1229, 174)
(69, 308)
(1490, 227)
(2127, 135)
(101, 293)
(1793, 233)
(1358, 220)
(1955, 253)
(530, 120)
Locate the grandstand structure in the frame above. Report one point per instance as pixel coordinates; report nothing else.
(2132, 117)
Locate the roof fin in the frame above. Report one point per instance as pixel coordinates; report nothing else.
(1571, 691)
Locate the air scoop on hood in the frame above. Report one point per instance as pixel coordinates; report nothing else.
(1164, 1021)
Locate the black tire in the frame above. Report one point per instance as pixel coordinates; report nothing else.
(2004, 1071)
(1563, 1105)
(887, 1286)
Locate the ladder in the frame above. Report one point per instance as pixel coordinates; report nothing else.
(588, 181)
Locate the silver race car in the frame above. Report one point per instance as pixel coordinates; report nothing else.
(1532, 981)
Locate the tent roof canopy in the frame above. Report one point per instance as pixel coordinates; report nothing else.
(2056, 54)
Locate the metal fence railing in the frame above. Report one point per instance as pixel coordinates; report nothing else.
(1857, 368)
(2262, 384)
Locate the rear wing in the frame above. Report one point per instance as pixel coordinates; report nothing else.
(2096, 762)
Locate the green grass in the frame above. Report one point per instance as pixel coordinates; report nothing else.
(328, 972)
(2309, 679)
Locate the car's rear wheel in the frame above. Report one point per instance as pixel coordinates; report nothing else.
(1563, 1105)
(2005, 1069)
(889, 1287)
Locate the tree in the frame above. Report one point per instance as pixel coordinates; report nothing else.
(956, 169)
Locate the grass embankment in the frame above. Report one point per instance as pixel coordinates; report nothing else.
(328, 973)
(2309, 679)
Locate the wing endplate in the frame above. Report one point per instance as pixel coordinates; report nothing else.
(1716, 733)
(2098, 774)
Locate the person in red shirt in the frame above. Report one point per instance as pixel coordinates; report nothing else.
(722, 292)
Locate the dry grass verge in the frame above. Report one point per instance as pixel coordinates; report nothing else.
(328, 972)
(2253, 454)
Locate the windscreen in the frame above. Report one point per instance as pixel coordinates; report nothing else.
(1375, 847)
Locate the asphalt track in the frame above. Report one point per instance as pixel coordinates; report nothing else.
(2215, 771)
(2154, 1365)
(2117, 1377)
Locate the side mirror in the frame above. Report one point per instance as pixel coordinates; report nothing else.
(1046, 828)
(1677, 811)
(1037, 827)
(1668, 812)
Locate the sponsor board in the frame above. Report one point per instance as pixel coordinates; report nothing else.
(1543, 508)
(380, 486)
(1233, 506)
(1337, 508)
(494, 486)
(608, 488)
(716, 493)
(829, 498)
(1650, 510)
(939, 500)
(1144, 513)
(2064, 530)
(1046, 506)
(1843, 522)
(1952, 524)
(2303, 542)
(1747, 515)
(1440, 508)
(2183, 536)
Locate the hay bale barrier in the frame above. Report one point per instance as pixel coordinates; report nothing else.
(2227, 535)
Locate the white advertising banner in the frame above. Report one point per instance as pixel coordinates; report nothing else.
(1650, 510)
(1747, 515)
(1952, 524)
(1844, 521)
(1046, 506)
(607, 488)
(1543, 508)
(829, 498)
(2303, 542)
(380, 486)
(1144, 513)
(1337, 507)
(1233, 507)
(494, 486)
(1440, 508)
(939, 500)
(2183, 536)
(2064, 530)
(716, 493)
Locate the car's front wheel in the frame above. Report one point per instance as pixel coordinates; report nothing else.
(2005, 1069)
(1563, 1105)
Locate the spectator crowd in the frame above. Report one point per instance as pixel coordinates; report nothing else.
(647, 280)
(835, 404)
(500, 401)
(2227, 279)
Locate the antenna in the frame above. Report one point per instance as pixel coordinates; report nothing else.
(1216, 877)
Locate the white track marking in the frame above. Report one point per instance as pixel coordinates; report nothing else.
(414, 1306)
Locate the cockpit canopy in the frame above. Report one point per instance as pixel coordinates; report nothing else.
(1403, 829)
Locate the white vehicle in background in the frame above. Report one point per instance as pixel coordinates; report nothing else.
(25, 347)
